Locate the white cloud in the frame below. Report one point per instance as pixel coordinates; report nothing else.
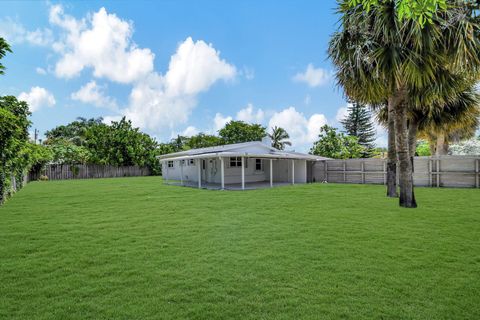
(314, 77)
(157, 102)
(92, 93)
(189, 131)
(303, 131)
(109, 119)
(152, 108)
(342, 112)
(101, 41)
(15, 33)
(195, 67)
(220, 121)
(41, 71)
(249, 115)
(37, 98)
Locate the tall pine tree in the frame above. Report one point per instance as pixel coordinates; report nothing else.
(358, 123)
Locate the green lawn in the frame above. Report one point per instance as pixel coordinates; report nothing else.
(131, 248)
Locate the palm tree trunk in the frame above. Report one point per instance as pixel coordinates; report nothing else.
(433, 147)
(407, 197)
(412, 140)
(442, 146)
(392, 154)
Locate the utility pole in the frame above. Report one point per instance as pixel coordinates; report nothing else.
(35, 135)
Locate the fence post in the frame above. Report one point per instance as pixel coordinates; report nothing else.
(363, 172)
(430, 178)
(344, 170)
(384, 172)
(325, 167)
(477, 178)
(438, 173)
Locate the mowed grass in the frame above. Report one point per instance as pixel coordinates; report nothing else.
(132, 248)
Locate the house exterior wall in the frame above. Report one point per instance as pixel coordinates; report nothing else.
(300, 171)
(189, 171)
(282, 171)
(234, 174)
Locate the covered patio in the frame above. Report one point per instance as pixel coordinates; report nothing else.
(252, 165)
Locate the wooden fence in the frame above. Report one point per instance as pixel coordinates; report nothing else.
(88, 171)
(443, 171)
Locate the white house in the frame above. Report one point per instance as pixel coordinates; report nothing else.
(237, 166)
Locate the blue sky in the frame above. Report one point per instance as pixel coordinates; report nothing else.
(175, 67)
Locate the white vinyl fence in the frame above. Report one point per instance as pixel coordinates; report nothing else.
(442, 171)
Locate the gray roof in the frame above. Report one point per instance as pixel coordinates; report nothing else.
(229, 150)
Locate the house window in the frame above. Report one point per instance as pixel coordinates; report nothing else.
(258, 165)
(191, 162)
(170, 164)
(235, 162)
(204, 164)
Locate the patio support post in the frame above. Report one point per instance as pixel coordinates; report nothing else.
(199, 171)
(167, 170)
(271, 173)
(181, 172)
(222, 173)
(293, 171)
(243, 173)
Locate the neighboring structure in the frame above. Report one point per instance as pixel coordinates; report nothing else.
(237, 166)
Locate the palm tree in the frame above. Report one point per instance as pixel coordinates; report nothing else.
(457, 120)
(278, 137)
(378, 58)
(4, 48)
(441, 122)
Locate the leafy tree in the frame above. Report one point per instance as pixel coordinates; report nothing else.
(164, 148)
(422, 148)
(179, 143)
(92, 141)
(279, 138)
(332, 144)
(379, 153)
(14, 125)
(203, 140)
(4, 48)
(17, 154)
(468, 147)
(38, 156)
(358, 124)
(122, 145)
(73, 132)
(239, 131)
(66, 152)
(420, 11)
